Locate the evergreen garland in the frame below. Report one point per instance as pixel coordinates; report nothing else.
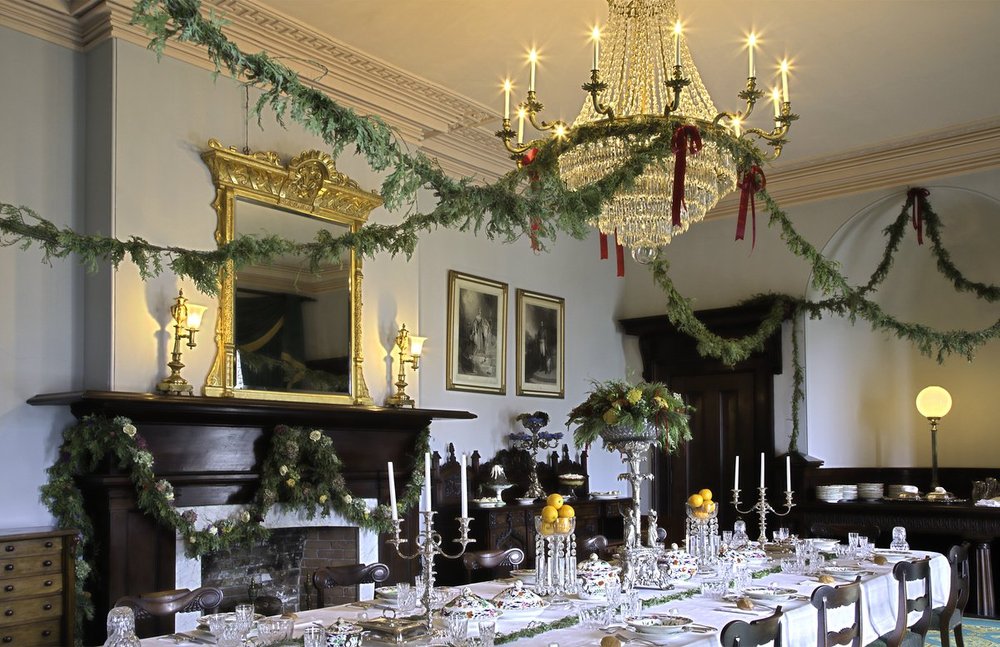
(300, 470)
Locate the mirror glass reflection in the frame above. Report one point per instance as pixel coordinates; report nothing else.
(291, 325)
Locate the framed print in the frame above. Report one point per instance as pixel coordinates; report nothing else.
(477, 334)
(541, 364)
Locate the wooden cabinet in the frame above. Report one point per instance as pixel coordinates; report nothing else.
(37, 587)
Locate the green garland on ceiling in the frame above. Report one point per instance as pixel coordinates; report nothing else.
(506, 209)
(300, 471)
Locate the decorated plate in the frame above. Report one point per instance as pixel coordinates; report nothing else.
(658, 625)
(387, 592)
(843, 572)
(488, 503)
(893, 556)
(525, 500)
(605, 496)
(768, 592)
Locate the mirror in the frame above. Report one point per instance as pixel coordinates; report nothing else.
(285, 332)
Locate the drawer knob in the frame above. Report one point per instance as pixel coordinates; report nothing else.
(46, 633)
(8, 612)
(8, 588)
(8, 567)
(47, 606)
(9, 548)
(48, 583)
(48, 544)
(47, 563)
(8, 639)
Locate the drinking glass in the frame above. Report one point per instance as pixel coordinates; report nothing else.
(487, 632)
(852, 541)
(633, 605)
(613, 591)
(230, 633)
(404, 596)
(714, 589)
(458, 629)
(899, 539)
(727, 539)
(244, 617)
(314, 637)
(591, 617)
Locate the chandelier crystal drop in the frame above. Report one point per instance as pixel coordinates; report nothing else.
(644, 82)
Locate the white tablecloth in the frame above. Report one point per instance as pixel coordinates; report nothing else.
(878, 602)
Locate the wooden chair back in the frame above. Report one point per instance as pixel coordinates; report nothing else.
(906, 572)
(331, 577)
(958, 557)
(764, 631)
(499, 561)
(166, 603)
(834, 597)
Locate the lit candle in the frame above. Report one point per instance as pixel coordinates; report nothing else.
(762, 469)
(777, 102)
(520, 125)
(736, 127)
(392, 493)
(677, 43)
(596, 35)
(506, 99)
(736, 476)
(788, 473)
(465, 490)
(784, 81)
(533, 61)
(427, 480)
(752, 41)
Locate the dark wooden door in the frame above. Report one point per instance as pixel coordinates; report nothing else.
(721, 428)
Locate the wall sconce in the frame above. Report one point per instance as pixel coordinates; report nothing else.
(410, 348)
(934, 403)
(187, 321)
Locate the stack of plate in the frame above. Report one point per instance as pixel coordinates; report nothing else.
(871, 491)
(850, 493)
(830, 493)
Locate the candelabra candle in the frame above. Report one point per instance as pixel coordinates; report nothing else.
(762, 507)
(429, 545)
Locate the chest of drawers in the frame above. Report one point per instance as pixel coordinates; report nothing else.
(37, 587)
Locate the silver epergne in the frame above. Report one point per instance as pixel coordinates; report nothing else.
(429, 545)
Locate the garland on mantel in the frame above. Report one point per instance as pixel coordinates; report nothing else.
(300, 471)
(534, 203)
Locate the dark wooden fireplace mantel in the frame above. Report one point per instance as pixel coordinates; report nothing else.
(210, 449)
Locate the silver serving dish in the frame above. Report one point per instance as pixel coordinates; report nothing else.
(395, 630)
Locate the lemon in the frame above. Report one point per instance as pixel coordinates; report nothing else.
(567, 511)
(696, 500)
(709, 507)
(706, 494)
(564, 525)
(548, 528)
(549, 514)
(555, 500)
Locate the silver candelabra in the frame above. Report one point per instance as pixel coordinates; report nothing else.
(762, 507)
(429, 545)
(531, 441)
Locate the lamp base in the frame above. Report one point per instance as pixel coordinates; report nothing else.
(168, 387)
(399, 400)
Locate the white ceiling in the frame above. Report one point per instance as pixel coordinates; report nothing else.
(866, 72)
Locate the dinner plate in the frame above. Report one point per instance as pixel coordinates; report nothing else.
(204, 620)
(387, 592)
(658, 625)
(526, 500)
(893, 556)
(768, 592)
(843, 572)
(526, 575)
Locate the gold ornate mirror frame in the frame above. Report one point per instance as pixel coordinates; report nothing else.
(309, 185)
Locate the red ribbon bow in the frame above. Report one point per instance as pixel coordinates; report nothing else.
(751, 182)
(536, 223)
(685, 138)
(915, 194)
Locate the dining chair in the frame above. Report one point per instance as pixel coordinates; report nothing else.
(763, 631)
(948, 618)
(906, 634)
(330, 577)
(166, 603)
(826, 598)
(499, 561)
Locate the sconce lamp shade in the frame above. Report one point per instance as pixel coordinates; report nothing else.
(194, 316)
(933, 402)
(416, 345)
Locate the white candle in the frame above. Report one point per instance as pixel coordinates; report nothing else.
(788, 473)
(465, 490)
(762, 469)
(777, 102)
(597, 47)
(784, 81)
(392, 493)
(753, 43)
(736, 476)
(533, 62)
(427, 481)
(677, 43)
(520, 126)
(506, 99)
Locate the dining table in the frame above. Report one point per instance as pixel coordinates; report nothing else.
(879, 604)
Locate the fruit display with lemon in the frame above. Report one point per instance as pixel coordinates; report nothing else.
(701, 506)
(557, 517)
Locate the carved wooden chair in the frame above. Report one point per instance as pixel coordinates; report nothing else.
(331, 577)
(948, 618)
(829, 597)
(906, 634)
(498, 561)
(764, 631)
(148, 607)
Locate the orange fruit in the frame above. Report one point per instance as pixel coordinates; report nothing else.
(555, 500)
(549, 514)
(706, 494)
(567, 511)
(696, 500)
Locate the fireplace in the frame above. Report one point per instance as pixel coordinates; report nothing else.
(210, 449)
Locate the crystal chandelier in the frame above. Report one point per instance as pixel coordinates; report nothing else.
(644, 82)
